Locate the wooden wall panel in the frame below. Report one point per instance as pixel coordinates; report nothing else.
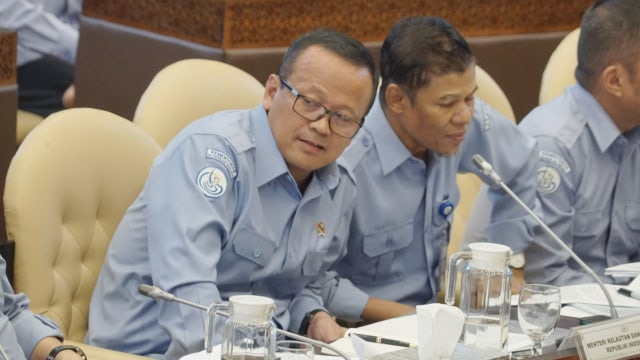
(272, 23)
(8, 43)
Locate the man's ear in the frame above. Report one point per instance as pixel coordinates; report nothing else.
(396, 98)
(271, 88)
(612, 78)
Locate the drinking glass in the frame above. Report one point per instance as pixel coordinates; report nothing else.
(293, 350)
(538, 312)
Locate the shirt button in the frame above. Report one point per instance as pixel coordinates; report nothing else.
(389, 242)
(256, 253)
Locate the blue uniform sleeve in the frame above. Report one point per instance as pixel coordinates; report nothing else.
(42, 32)
(185, 242)
(20, 328)
(342, 298)
(547, 261)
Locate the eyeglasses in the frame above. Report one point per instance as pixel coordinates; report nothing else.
(312, 110)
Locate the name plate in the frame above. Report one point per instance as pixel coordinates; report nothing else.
(611, 339)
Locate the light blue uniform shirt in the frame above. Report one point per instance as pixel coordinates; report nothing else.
(398, 232)
(589, 187)
(20, 329)
(43, 27)
(220, 215)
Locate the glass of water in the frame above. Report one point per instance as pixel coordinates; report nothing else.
(293, 350)
(538, 312)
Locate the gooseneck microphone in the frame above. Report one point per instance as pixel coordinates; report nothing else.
(155, 292)
(486, 168)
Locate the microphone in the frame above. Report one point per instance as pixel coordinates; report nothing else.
(156, 293)
(486, 168)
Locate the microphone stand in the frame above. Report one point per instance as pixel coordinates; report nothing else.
(487, 170)
(155, 292)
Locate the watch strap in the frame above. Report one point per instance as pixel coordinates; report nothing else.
(306, 321)
(58, 349)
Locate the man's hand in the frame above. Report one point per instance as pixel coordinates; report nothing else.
(380, 309)
(517, 281)
(324, 328)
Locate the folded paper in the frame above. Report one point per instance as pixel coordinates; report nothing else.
(439, 329)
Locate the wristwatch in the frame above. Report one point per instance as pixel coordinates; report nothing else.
(56, 350)
(306, 321)
(517, 261)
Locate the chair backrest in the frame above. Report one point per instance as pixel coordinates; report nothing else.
(67, 188)
(189, 89)
(469, 184)
(25, 122)
(559, 71)
(490, 92)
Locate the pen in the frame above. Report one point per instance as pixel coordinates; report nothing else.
(629, 293)
(381, 340)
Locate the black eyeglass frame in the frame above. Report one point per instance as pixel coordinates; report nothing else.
(332, 114)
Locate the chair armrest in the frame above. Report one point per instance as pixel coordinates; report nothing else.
(98, 353)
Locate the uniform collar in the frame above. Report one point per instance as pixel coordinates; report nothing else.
(269, 161)
(602, 126)
(391, 151)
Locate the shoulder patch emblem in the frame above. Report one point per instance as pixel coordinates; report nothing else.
(554, 159)
(212, 182)
(224, 160)
(548, 180)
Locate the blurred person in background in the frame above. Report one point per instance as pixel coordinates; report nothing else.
(47, 44)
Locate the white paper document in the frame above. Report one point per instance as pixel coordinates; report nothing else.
(624, 270)
(590, 299)
(405, 328)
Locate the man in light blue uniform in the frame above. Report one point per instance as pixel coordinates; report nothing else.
(24, 335)
(589, 159)
(242, 202)
(47, 46)
(422, 131)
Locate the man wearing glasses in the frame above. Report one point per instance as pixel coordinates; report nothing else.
(243, 202)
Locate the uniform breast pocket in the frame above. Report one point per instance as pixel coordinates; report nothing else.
(590, 223)
(382, 249)
(251, 246)
(587, 226)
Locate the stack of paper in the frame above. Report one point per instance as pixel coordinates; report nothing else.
(405, 328)
(590, 299)
(624, 270)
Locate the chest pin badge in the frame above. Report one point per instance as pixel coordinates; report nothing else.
(320, 229)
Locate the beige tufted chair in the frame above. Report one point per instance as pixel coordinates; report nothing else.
(67, 188)
(469, 184)
(26, 121)
(559, 71)
(190, 89)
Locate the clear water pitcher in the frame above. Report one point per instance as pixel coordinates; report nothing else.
(248, 333)
(485, 293)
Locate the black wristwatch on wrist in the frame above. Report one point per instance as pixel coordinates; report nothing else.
(306, 321)
(56, 350)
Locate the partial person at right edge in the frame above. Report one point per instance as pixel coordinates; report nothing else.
(423, 130)
(47, 45)
(589, 158)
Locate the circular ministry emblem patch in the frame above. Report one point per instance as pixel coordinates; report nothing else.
(212, 182)
(548, 180)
